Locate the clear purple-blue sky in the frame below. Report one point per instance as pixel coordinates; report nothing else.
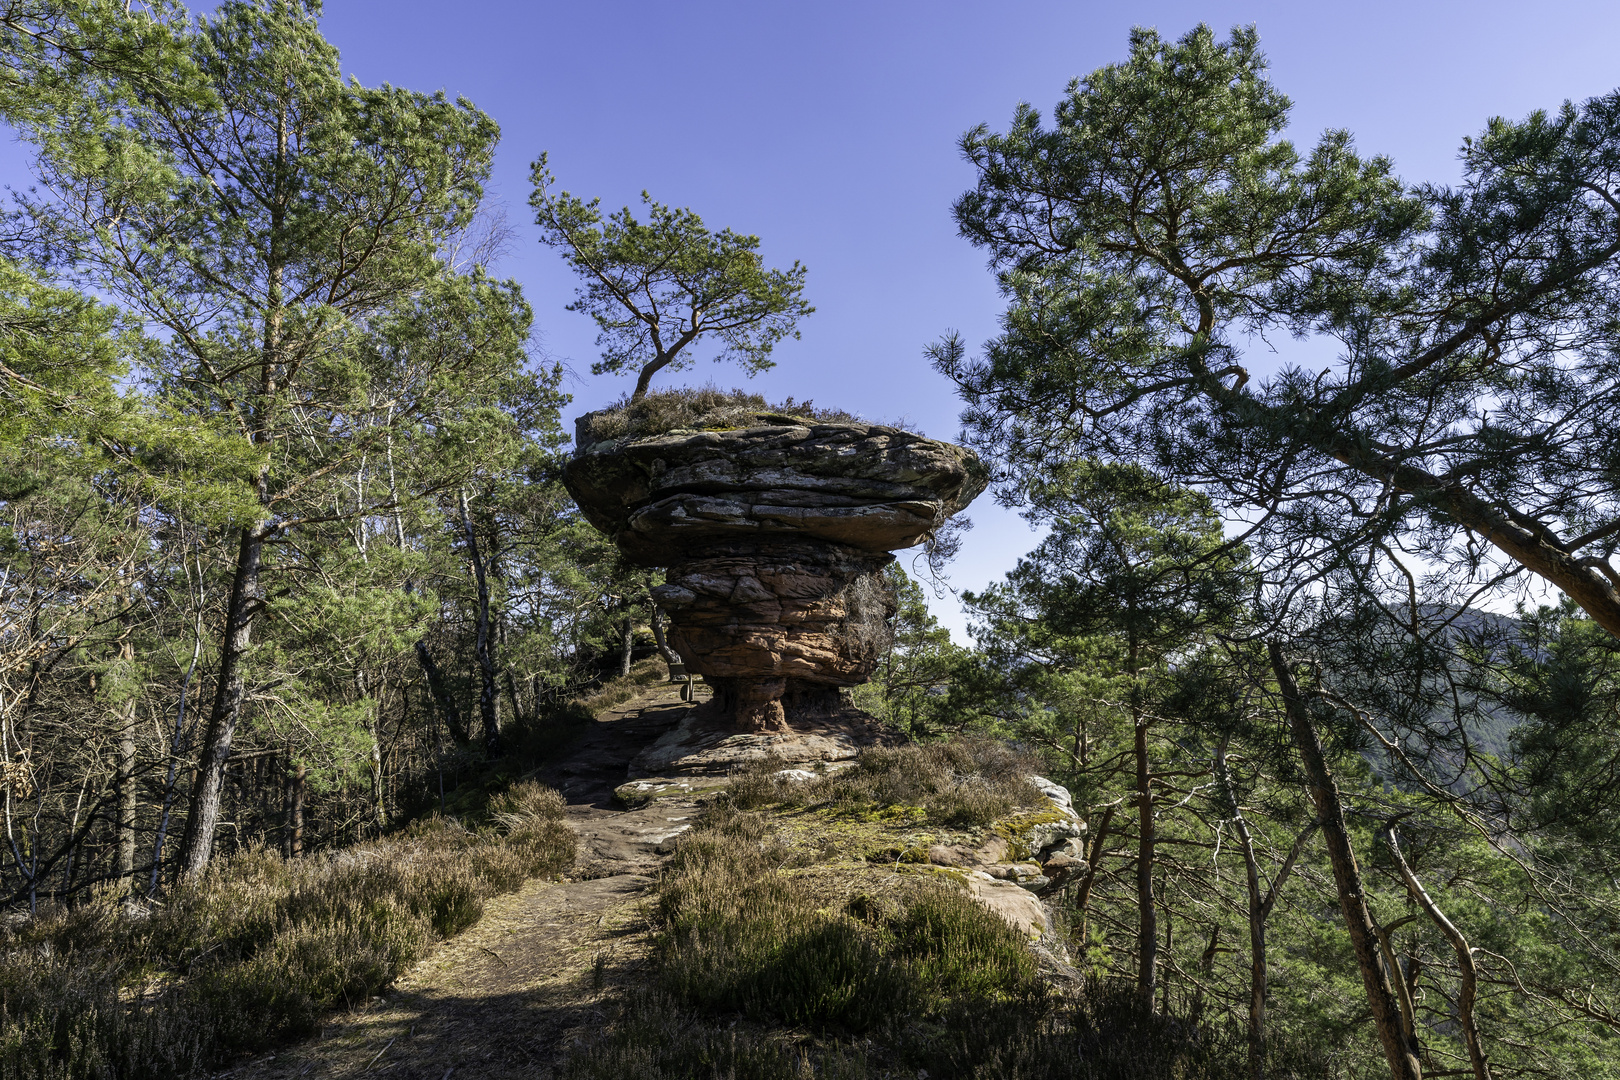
(829, 129)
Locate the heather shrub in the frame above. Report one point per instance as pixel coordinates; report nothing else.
(653, 1037)
(737, 935)
(963, 783)
(914, 981)
(698, 408)
(257, 948)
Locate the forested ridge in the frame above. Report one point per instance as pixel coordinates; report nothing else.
(1329, 659)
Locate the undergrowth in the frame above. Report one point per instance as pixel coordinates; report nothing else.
(963, 783)
(257, 948)
(756, 976)
(738, 936)
(652, 671)
(697, 408)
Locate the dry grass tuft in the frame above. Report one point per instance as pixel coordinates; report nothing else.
(699, 408)
(963, 783)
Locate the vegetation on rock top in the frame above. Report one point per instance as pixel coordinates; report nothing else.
(698, 408)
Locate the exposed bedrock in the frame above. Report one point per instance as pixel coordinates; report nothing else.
(774, 538)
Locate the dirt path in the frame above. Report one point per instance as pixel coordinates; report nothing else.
(500, 999)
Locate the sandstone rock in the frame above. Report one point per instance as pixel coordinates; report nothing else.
(1018, 907)
(1061, 868)
(707, 743)
(774, 538)
(783, 627)
(1074, 847)
(1062, 863)
(993, 850)
(639, 793)
(1047, 837)
(865, 486)
(798, 776)
(1057, 793)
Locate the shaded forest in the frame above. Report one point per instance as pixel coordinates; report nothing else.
(1329, 660)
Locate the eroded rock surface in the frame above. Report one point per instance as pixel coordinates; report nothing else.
(869, 487)
(774, 538)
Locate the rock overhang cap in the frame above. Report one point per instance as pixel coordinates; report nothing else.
(871, 487)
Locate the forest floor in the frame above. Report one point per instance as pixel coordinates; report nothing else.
(502, 998)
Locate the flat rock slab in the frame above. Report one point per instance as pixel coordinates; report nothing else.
(869, 486)
(1018, 907)
(704, 744)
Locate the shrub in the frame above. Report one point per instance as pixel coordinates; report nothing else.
(964, 782)
(737, 935)
(698, 408)
(954, 948)
(906, 983)
(623, 688)
(257, 948)
(656, 1039)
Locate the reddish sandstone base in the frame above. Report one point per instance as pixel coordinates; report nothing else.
(779, 629)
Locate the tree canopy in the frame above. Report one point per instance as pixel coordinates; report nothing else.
(657, 288)
(1160, 231)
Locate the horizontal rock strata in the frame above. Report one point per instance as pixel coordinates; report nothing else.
(870, 487)
(774, 538)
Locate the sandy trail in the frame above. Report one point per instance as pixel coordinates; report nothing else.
(500, 999)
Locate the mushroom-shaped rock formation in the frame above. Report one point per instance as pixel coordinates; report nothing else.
(774, 536)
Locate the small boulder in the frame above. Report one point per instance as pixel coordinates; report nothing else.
(1057, 793)
(1062, 868)
(1017, 907)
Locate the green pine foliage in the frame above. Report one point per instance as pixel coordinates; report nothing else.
(281, 510)
(657, 288)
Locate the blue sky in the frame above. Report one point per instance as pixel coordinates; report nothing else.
(829, 130)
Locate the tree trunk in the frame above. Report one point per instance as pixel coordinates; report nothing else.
(489, 702)
(176, 745)
(628, 644)
(1257, 923)
(379, 813)
(124, 771)
(1082, 900)
(197, 844)
(670, 655)
(441, 695)
(126, 792)
(1401, 1053)
(1469, 989)
(293, 844)
(1147, 933)
(512, 701)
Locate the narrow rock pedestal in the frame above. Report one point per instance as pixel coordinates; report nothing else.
(779, 628)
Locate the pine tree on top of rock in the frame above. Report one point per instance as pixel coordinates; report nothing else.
(657, 287)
